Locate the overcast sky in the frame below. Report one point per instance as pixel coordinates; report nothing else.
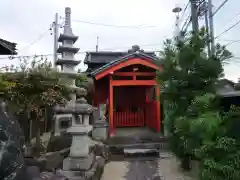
(23, 22)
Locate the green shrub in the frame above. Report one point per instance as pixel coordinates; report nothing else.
(232, 123)
(219, 153)
(179, 141)
(201, 123)
(220, 160)
(169, 117)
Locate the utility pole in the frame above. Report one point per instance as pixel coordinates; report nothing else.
(211, 29)
(205, 9)
(55, 26)
(97, 44)
(194, 15)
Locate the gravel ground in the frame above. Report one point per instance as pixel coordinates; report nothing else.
(163, 168)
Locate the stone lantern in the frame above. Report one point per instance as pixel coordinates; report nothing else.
(80, 159)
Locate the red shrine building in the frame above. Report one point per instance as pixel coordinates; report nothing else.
(126, 82)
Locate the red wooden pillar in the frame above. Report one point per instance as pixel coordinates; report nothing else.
(146, 106)
(158, 119)
(94, 94)
(146, 94)
(111, 125)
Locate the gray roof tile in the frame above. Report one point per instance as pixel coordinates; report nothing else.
(7, 48)
(154, 59)
(104, 57)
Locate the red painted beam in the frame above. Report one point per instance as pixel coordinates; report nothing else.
(133, 83)
(134, 74)
(129, 62)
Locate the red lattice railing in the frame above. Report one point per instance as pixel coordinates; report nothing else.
(128, 119)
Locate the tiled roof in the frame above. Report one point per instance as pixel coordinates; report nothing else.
(102, 57)
(7, 48)
(105, 57)
(154, 59)
(227, 88)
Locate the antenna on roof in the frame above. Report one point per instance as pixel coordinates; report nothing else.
(97, 44)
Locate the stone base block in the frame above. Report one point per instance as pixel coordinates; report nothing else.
(100, 131)
(75, 164)
(94, 172)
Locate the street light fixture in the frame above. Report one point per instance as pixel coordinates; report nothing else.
(177, 11)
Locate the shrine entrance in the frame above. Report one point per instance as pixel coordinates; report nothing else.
(132, 94)
(135, 106)
(128, 104)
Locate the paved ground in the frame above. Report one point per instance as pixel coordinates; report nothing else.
(163, 168)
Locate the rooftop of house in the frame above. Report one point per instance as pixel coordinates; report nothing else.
(104, 57)
(227, 88)
(7, 48)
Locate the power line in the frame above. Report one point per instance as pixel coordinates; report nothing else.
(227, 40)
(26, 56)
(230, 42)
(80, 52)
(186, 23)
(125, 47)
(113, 25)
(228, 29)
(38, 39)
(234, 17)
(219, 7)
(184, 11)
(211, 26)
(233, 42)
(237, 14)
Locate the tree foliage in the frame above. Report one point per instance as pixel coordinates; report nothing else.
(33, 87)
(188, 71)
(197, 128)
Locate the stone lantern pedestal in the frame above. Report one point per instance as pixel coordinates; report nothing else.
(82, 162)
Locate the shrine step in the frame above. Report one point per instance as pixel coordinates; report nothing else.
(140, 146)
(131, 151)
(141, 149)
(119, 145)
(134, 152)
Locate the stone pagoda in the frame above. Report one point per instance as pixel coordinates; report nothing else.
(68, 73)
(67, 62)
(82, 162)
